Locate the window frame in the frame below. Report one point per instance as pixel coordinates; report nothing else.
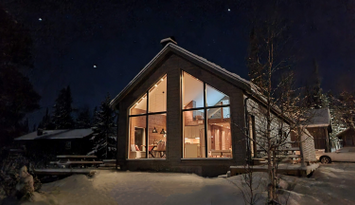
(204, 108)
(146, 114)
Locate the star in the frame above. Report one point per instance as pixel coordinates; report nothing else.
(94, 66)
(229, 9)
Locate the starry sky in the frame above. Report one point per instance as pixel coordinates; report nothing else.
(97, 47)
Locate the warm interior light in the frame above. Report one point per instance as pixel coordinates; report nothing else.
(163, 131)
(155, 130)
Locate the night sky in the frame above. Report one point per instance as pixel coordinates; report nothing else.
(119, 38)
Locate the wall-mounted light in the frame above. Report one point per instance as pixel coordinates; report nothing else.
(155, 130)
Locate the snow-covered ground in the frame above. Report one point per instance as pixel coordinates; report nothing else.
(330, 184)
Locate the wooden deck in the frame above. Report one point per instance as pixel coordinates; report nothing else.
(288, 169)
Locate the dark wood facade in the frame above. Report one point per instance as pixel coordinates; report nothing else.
(321, 137)
(57, 146)
(171, 61)
(347, 137)
(173, 66)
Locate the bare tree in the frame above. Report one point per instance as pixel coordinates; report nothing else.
(272, 84)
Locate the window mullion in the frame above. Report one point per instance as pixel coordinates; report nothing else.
(205, 116)
(147, 128)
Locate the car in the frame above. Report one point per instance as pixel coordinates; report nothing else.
(345, 154)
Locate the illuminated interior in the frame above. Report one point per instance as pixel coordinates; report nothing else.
(147, 127)
(197, 133)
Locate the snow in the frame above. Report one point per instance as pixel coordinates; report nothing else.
(330, 184)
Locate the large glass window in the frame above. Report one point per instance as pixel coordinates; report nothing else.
(201, 138)
(147, 127)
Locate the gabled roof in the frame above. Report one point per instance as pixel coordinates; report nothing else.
(203, 63)
(57, 134)
(193, 58)
(318, 118)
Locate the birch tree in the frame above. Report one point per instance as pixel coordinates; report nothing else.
(273, 84)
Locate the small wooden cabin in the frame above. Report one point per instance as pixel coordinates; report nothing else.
(347, 137)
(54, 142)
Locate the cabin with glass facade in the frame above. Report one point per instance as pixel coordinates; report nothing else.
(182, 113)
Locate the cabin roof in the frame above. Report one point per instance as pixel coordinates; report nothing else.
(202, 62)
(57, 134)
(217, 70)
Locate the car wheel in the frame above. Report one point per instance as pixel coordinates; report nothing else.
(325, 160)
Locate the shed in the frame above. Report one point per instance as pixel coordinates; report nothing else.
(319, 126)
(347, 137)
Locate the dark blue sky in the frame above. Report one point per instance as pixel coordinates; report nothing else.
(121, 37)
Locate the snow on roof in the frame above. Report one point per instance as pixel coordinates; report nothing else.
(33, 135)
(58, 134)
(318, 118)
(234, 78)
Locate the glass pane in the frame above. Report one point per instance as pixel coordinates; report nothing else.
(194, 134)
(215, 97)
(192, 91)
(139, 107)
(219, 143)
(157, 96)
(157, 136)
(137, 137)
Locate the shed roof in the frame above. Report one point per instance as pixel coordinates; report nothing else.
(318, 118)
(57, 134)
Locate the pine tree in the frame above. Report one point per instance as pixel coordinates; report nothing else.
(17, 96)
(62, 118)
(104, 137)
(317, 90)
(46, 122)
(84, 119)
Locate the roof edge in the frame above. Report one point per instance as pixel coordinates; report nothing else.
(171, 47)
